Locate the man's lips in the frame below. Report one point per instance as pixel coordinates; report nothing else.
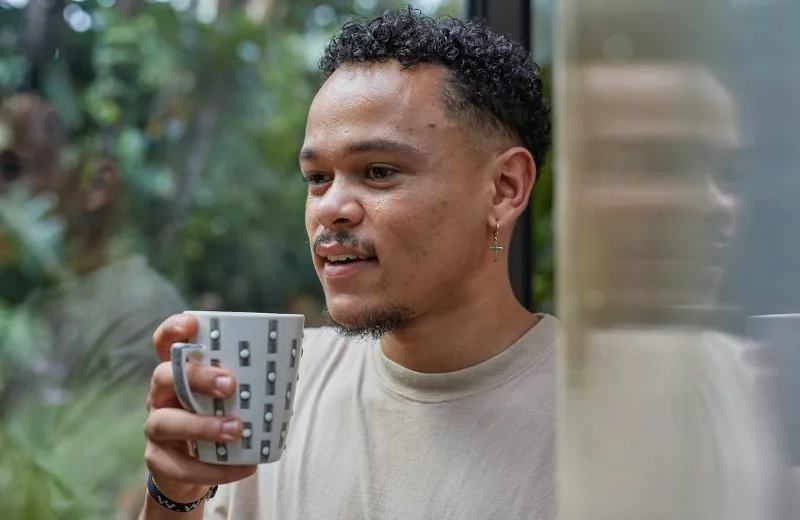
(340, 261)
(337, 253)
(334, 269)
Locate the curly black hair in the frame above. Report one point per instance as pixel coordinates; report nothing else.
(493, 82)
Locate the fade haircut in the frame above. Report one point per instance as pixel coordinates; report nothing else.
(492, 83)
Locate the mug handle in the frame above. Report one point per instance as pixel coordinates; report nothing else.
(180, 354)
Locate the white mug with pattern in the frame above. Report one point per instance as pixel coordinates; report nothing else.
(263, 353)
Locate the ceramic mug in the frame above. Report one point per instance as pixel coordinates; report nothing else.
(263, 352)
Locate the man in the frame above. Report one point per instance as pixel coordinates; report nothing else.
(90, 315)
(433, 394)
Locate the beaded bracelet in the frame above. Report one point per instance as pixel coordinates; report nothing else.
(163, 501)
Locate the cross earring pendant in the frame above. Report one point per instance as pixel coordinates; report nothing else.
(496, 247)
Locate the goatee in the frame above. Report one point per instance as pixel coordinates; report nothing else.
(373, 325)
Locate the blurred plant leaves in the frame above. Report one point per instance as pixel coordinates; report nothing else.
(32, 233)
(68, 462)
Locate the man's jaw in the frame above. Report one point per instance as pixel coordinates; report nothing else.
(371, 324)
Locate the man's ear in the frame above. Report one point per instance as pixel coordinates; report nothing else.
(513, 180)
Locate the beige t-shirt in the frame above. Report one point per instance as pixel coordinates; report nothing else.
(372, 440)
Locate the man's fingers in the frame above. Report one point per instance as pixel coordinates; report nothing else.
(162, 392)
(171, 424)
(169, 464)
(176, 328)
(210, 381)
(169, 427)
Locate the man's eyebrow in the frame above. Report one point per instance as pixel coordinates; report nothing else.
(369, 145)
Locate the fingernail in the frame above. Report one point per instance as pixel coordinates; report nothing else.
(223, 383)
(230, 427)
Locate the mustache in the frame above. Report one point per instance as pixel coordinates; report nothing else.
(346, 239)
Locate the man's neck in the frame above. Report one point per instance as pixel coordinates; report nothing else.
(460, 337)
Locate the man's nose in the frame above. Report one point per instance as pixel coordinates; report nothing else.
(339, 206)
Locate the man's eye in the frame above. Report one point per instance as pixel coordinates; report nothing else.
(316, 178)
(380, 172)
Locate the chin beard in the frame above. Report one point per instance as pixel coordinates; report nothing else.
(375, 324)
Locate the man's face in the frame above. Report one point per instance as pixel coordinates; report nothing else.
(391, 182)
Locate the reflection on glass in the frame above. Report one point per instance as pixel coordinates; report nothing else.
(95, 298)
(148, 164)
(677, 162)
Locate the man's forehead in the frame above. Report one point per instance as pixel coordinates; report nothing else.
(365, 100)
(382, 89)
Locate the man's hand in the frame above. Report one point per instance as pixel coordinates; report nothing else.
(169, 428)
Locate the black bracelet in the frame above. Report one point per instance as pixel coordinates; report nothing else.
(163, 501)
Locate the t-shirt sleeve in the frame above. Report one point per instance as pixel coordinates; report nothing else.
(242, 499)
(218, 507)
